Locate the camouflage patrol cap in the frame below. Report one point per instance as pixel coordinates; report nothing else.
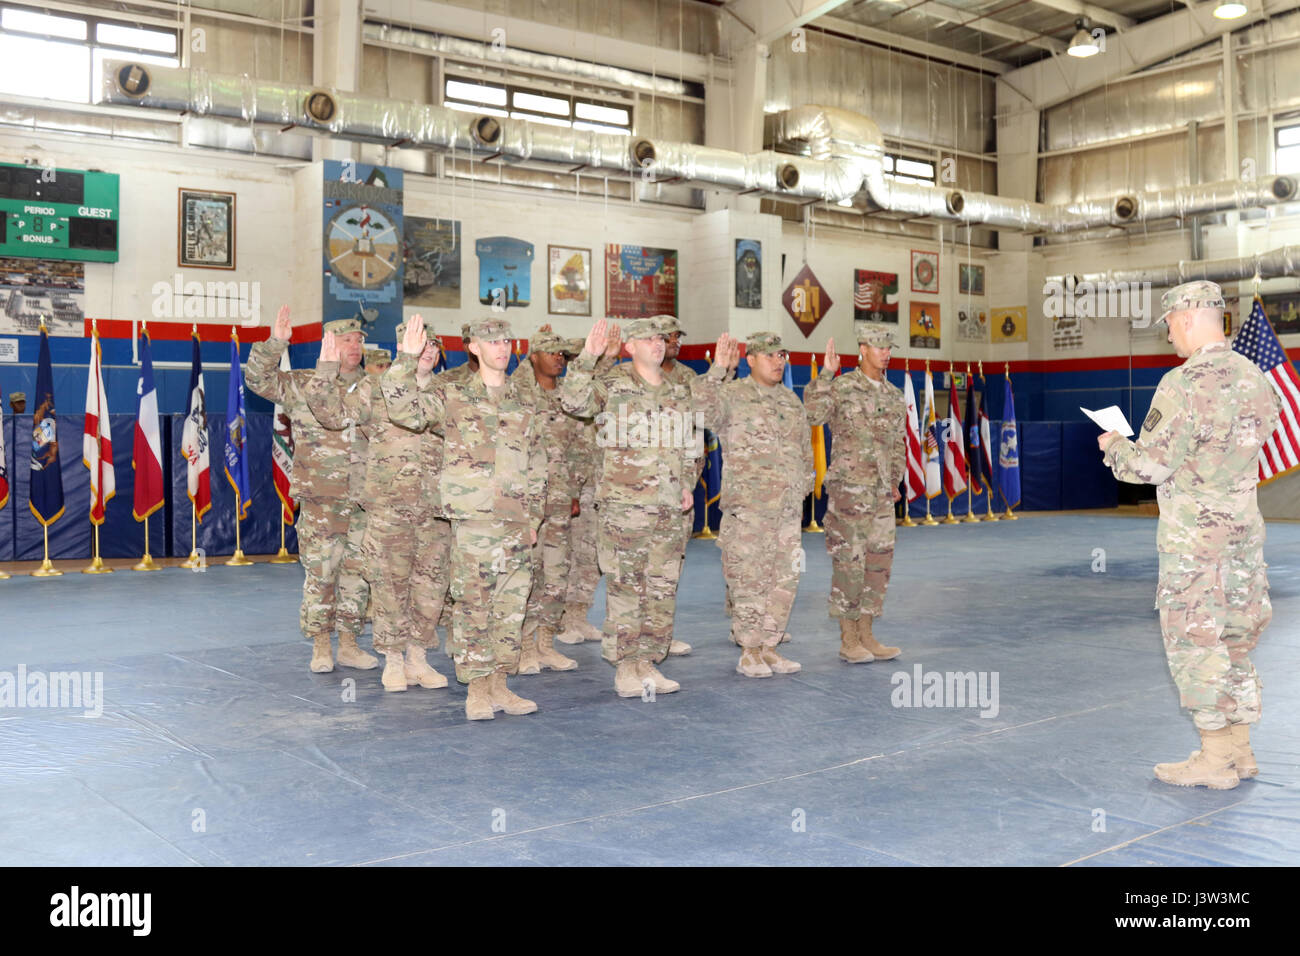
(763, 343)
(547, 342)
(17, 397)
(668, 324)
(1201, 294)
(574, 346)
(344, 326)
(464, 332)
(642, 329)
(877, 336)
(489, 330)
(378, 357)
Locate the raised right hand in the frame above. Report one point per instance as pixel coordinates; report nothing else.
(595, 344)
(831, 361)
(329, 348)
(283, 327)
(414, 339)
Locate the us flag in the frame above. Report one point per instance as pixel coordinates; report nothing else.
(1258, 342)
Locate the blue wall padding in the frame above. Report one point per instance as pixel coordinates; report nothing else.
(1086, 482)
(1040, 466)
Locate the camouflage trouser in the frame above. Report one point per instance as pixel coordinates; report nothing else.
(1212, 613)
(762, 558)
(491, 573)
(406, 563)
(640, 552)
(584, 573)
(860, 541)
(334, 594)
(550, 573)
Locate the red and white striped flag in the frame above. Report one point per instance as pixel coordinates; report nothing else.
(282, 452)
(194, 439)
(954, 454)
(1258, 342)
(97, 440)
(915, 463)
(146, 447)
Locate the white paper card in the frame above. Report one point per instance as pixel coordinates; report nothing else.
(1109, 419)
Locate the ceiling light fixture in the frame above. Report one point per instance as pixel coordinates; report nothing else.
(1083, 43)
(1230, 10)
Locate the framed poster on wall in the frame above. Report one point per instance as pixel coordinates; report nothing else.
(206, 226)
(570, 280)
(925, 272)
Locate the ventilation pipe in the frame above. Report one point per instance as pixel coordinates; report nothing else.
(1284, 261)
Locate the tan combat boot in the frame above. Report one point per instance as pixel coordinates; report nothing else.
(528, 662)
(678, 649)
(574, 627)
(322, 654)
(1243, 757)
(752, 664)
(644, 670)
(850, 649)
(869, 643)
(394, 678)
(548, 656)
(1211, 766)
(478, 705)
(352, 656)
(779, 664)
(503, 698)
(418, 671)
(626, 681)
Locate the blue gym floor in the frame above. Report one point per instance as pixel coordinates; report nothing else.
(218, 746)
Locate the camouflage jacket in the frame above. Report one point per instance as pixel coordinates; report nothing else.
(646, 434)
(493, 464)
(1200, 444)
(868, 432)
(766, 441)
(563, 437)
(457, 373)
(395, 459)
(327, 462)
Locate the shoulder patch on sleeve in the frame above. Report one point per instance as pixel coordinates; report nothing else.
(1152, 420)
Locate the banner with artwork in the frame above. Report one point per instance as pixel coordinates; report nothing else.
(362, 245)
(31, 288)
(640, 280)
(875, 296)
(972, 324)
(1009, 325)
(431, 262)
(925, 272)
(505, 272)
(923, 325)
(970, 279)
(1067, 332)
(1282, 309)
(570, 280)
(749, 274)
(806, 300)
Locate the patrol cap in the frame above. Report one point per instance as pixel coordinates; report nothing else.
(1201, 294)
(464, 332)
(642, 329)
(668, 324)
(17, 397)
(762, 343)
(574, 346)
(877, 336)
(547, 342)
(344, 326)
(489, 330)
(378, 357)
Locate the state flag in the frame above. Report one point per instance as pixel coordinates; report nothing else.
(146, 448)
(97, 437)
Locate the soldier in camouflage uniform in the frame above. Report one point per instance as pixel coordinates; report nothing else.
(404, 551)
(378, 361)
(648, 458)
(867, 416)
(1200, 444)
(764, 431)
(492, 487)
(561, 435)
(326, 484)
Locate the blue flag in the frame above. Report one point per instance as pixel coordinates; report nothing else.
(787, 379)
(45, 498)
(236, 432)
(1009, 452)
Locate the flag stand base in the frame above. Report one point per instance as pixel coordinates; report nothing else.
(282, 557)
(814, 528)
(907, 522)
(989, 517)
(96, 567)
(147, 564)
(193, 561)
(970, 516)
(706, 534)
(1009, 516)
(237, 560)
(928, 520)
(4, 576)
(950, 520)
(46, 570)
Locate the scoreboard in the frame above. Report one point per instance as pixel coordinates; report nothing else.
(48, 213)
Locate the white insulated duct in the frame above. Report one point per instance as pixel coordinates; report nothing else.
(844, 151)
(1284, 261)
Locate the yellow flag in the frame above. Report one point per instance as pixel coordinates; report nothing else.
(818, 447)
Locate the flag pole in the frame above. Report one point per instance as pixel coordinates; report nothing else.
(193, 561)
(943, 461)
(989, 515)
(147, 561)
(929, 518)
(1010, 515)
(706, 533)
(282, 556)
(96, 565)
(907, 521)
(970, 494)
(237, 560)
(47, 568)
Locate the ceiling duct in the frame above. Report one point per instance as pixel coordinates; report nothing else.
(1284, 261)
(842, 152)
